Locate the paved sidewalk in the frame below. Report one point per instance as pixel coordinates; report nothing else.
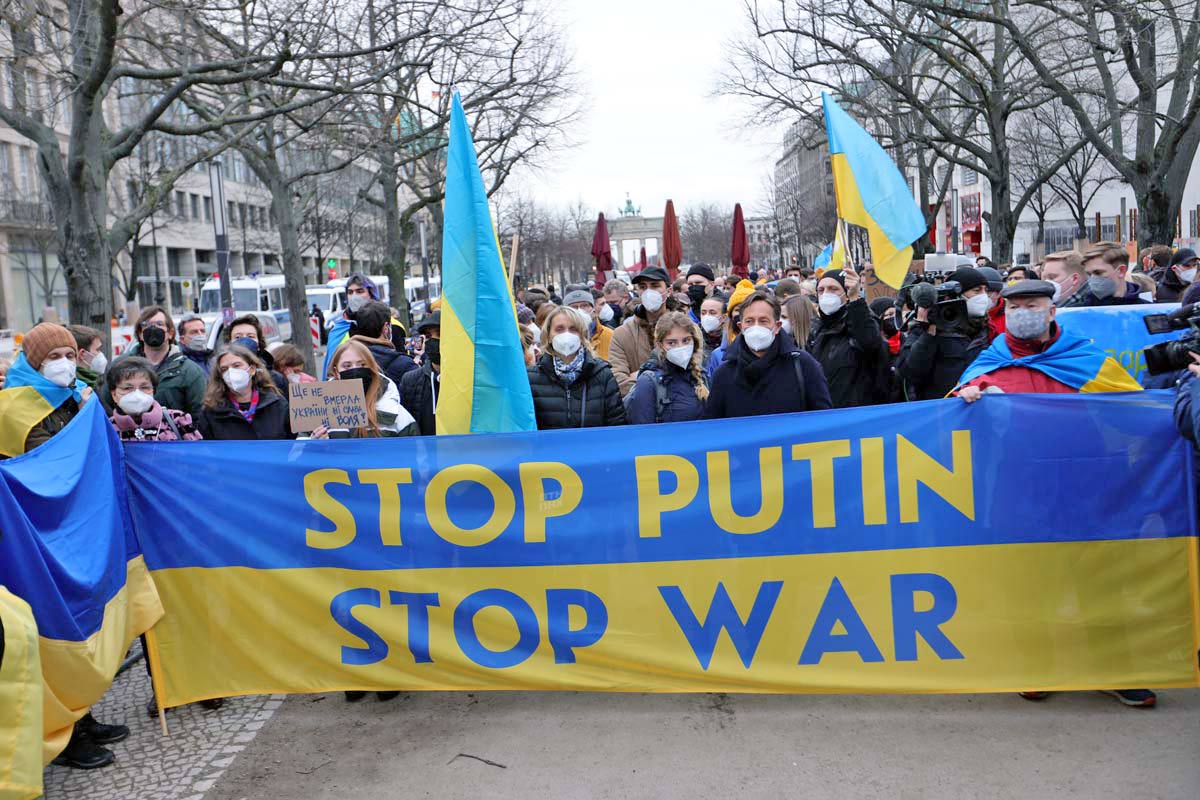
(149, 766)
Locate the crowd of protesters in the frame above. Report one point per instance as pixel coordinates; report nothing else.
(702, 346)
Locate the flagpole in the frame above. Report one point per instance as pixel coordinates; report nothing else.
(845, 241)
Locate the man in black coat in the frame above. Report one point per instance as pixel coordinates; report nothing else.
(931, 361)
(373, 327)
(419, 387)
(847, 343)
(763, 372)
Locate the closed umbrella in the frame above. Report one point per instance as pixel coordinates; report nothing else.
(740, 253)
(602, 252)
(672, 248)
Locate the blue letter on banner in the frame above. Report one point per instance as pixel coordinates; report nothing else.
(468, 638)
(342, 609)
(558, 611)
(722, 615)
(418, 621)
(907, 622)
(857, 639)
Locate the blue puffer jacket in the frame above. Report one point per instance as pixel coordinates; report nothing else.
(680, 403)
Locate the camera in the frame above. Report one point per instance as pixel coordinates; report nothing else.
(1176, 355)
(947, 309)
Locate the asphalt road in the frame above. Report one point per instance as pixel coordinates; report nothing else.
(574, 745)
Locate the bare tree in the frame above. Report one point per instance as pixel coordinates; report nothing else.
(706, 231)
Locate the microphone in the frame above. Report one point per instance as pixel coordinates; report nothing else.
(924, 295)
(1184, 313)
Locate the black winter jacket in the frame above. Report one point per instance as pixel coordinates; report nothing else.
(930, 366)
(680, 403)
(853, 355)
(735, 392)
(392, 362)
(592, 401)
(418, 395)
(224, 421)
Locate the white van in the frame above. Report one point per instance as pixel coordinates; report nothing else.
(266, 293)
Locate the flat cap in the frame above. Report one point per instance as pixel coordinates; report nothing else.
(1029, 288)
(578, 296)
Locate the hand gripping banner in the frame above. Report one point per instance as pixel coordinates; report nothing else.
(1020, 543)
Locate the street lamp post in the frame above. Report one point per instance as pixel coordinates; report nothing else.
(216, 184)
(955, 220)
(159, 294)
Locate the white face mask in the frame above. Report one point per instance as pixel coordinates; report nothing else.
(237, 378)
(606, 313)
(98, 363)
(294, 377)
(758, 338)
(136, 402)
(978, 305)
(566, 343)
(652, 300)
(198, 343)
(60, 372)
(710, 323)
(681, 356)
(1188, 275)
(787, 326)
(830, 303)
(356, 301)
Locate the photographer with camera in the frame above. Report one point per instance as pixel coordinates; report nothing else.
(847, 343)
(949, 331)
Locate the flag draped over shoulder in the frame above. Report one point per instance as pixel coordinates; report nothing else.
(27, 399)
(873, 194)
(484, 385)
(21, 701)
(68, 550)
(1071, 360)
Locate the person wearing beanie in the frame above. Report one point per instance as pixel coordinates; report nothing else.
(931, 360)
(41, 391)
(741, 291)
(700, 279)
(847, 342)
(1178, 276)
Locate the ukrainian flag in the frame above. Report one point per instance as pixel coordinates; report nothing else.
(1072, 360)
(21, 699)
(27, 399)
(484, 385)
(67, 549)
(834, 254)
(872, 194)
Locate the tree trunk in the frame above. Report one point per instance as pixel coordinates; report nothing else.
(1002, 220)
(289, 249)
(1158, 212)
(395, 238)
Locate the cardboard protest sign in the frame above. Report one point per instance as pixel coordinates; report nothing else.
(337, 404)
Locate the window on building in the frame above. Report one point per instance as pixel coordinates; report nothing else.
(242, 219)
(208, 209)
(6, 170)
(230, 213)
(181, 205)
(25, 169)
(1192, 222)
(195, 198)
(969, 177)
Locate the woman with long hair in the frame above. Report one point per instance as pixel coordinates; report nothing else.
(386, 416)
(798, 319)
(241, 401)
(672, 386)
(571, 387)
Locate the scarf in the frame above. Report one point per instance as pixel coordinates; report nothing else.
(569, 373)
(27, 399)
(751, 368)
(248, 414)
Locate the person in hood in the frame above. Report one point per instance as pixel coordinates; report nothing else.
(180, 381)
(932, 361)
(847, 342)
(712, 325)
(241, 401)
(764, 372)
(1105, 265)
(92, 361)
(671, 386)
(247, 331)
(360, 290)
(571, 387)
(419, 388)
(193, 341)
(373, 327)
(1178, 276)
(633, 341)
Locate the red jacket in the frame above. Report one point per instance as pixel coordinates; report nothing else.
(1023, 380)
(996, 322)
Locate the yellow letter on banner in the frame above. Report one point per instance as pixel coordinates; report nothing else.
(388, 481)
(537, 508)
(720, 492)
(318, 497)
(820, 456)
(505, 505)
(955, 485)
(874, 493)
(651, 503)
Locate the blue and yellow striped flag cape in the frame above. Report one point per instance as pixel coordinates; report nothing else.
(68, 550)
(872, 194)
(21, 701)
(27, 399)
(1072, 360)
(484, 385)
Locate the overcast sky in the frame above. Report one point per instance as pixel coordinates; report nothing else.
(651, 127)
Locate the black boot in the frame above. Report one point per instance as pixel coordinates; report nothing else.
(100, 733)
(385, 696)
(354, 697)
(83, 753)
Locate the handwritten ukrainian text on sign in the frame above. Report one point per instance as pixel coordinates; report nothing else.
(336, 404)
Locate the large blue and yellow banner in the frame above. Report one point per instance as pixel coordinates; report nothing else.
(1120, 331)
(68, 551)
(1022, 542)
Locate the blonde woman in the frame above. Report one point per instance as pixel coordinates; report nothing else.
(241, 401)
(672, 386)
(571, 387)
(386, 416)
(797, 320)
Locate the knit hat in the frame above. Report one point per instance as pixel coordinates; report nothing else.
(968, 277)
(881, 304)
(740, 292)
(44, 337)
(703, 270)
(837, 275)
(524, 314)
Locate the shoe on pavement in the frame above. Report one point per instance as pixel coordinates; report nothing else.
(212, 704)
(100, 733)
(354, 697)
(385, 696)
(1035, 696)
(1136, 698)
(83, 753)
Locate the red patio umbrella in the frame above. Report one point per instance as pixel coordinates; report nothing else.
(645, 263)
(671, 252)
(740, 253)
(602, 252)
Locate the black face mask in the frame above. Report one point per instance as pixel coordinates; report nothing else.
(433, 351)
(888, 326)
(357, 374)
(697, 293)
(153, 337)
